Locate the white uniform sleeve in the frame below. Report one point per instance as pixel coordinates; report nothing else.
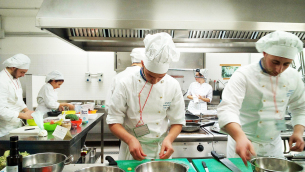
(20, 102)
(189, 91)
(117, 105)
(176, 113)
(5, 113)
(232, 98)
(109, 94)
(48, 98)
(210, 93)
(297, 104)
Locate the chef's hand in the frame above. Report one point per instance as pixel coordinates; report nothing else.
(297, 138)
(166, 146)
(244, 149)
(136, 150)
(71, 106)
(26, 115)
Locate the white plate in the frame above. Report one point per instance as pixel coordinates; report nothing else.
(22, 131)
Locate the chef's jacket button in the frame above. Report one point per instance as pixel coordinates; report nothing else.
(139, 111)
(261, 110)
(139, 80)
(262, 72)
(157, 135)
(284, 85)
(282, 100)
(157, 123)
(159, 111)
(257, 136)
(161, 81)
(160, 97)
(263, 86)
(271, 138)
(264, 100)
(260, 122)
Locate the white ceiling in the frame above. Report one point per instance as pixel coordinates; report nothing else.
(19, 8)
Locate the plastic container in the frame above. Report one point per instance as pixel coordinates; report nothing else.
(78, 123)
(68, 112)
(92, 116)
(67, 124)
(92, 111)
(84, 115)
(49, 127)
(31, 122)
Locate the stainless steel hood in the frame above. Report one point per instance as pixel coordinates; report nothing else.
(195, 25)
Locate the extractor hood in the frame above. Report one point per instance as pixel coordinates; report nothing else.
(195, 25)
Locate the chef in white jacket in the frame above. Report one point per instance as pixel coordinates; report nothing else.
(47, 96)
(254, 101)
(12, 107)
(200, 93)
(145, 103)
(136, 55)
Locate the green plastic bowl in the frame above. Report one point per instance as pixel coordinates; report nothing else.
(49, 127)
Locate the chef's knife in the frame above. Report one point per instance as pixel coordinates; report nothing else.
(205, 166)
(225, 161)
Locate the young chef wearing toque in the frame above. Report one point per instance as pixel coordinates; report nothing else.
(47, 96)
(255, 100)
(145, 103)
(199, 92)
(11, 100)
(136, 55)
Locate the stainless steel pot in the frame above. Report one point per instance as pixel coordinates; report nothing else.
(100, 169)
(41, 162)
(191, 126)
(161, 166)
(266, 164)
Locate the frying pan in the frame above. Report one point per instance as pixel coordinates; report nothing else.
(193, 126)
(189, 117)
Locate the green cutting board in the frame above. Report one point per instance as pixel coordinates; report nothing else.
(216, 166)
(125, 164)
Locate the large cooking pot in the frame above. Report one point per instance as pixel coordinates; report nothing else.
(161, 166)
(100, 169)
(45, 162)
(268, 164)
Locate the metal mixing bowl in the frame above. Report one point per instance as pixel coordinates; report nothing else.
(41, 162)
(161, 166)
(100, 169)
(268, 164)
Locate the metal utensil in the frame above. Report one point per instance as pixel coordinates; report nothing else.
(161, 166)
(225, 161)
(101, 169)
(269, 164)
(49, 161)
(193, 126)
(205, 166)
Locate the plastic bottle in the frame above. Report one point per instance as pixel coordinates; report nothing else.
(84, 115)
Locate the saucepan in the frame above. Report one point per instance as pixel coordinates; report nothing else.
(270, 164)
(42, 162)
(161, 166)
(189, 117)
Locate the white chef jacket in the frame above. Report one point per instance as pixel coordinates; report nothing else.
(47, 99)
(11, 102)
(164, 106)
(203, 89)
(128, 71)
(248, 100)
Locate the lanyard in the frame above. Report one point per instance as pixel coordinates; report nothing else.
(274, 93)
(141, 110)
(12, 80)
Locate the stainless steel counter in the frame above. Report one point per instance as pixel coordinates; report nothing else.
(68, 146)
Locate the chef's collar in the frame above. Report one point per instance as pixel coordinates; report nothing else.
(142, 74)
(9, 74)
(260, 64)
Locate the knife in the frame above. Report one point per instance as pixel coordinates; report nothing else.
(205, 166)
(225, 161)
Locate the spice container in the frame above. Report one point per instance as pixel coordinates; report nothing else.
(67, 124)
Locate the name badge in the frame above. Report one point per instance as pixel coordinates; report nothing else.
(141, 130)
(60, 132)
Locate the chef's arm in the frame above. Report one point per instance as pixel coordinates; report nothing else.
(119, 131)
(244, 147)
(61, 105)
(190, 97)
(167, 149)
(26, 115)
(205, 99)
(25, 109)
(174, 132)
(297, 138)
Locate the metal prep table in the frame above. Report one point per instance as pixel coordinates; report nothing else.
(68, 146)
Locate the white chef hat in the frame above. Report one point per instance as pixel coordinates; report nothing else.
(19, 61)
(280, 43)
(137, 55)
(54, 75)
(160, 50)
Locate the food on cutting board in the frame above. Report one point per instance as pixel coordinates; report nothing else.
(6, 154)
(73, 117)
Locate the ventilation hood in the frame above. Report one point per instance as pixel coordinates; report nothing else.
(195, 25)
